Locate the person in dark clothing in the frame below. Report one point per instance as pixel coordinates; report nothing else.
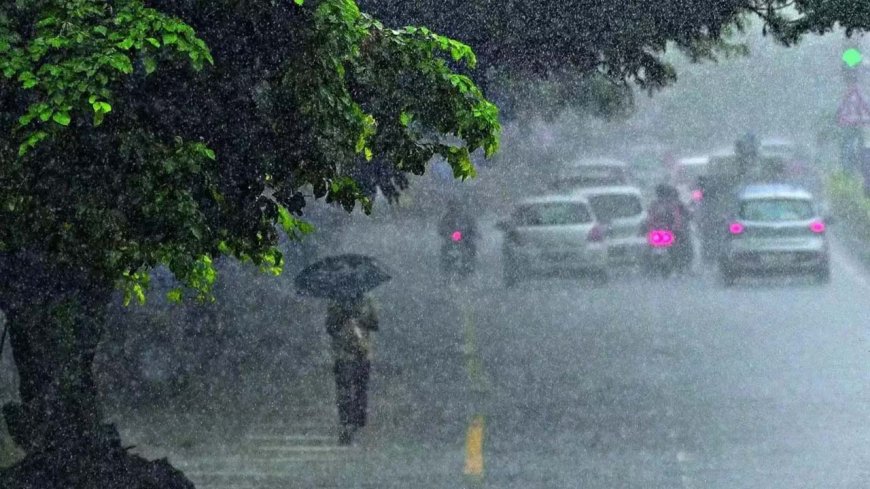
(349, 323)
(668, 212)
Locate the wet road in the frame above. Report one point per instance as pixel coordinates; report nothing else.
(639, 383)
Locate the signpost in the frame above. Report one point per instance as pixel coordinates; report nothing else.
(853, 114)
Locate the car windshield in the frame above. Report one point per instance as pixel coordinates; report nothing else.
(592, 176)
(772, 210)
(608, 207)
(552, 214)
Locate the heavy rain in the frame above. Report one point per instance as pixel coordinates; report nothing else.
(315, 244)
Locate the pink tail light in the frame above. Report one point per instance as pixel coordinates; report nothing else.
(660, 238)
(596, 235)
(736, 228)
(456, 236)
(697, 195)
(817, 227)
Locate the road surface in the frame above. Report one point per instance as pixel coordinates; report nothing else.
(636, 384)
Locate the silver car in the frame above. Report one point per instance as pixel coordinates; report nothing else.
(620, 209)
(775, 229)
(550, 234)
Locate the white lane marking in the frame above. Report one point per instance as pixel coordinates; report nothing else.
(318, 438)
(314, 448)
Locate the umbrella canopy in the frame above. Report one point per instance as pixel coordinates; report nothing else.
(341, 276)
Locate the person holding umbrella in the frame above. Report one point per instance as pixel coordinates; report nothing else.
(351, 317)
(349, 322)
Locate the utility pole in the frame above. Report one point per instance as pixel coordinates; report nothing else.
(851, 114)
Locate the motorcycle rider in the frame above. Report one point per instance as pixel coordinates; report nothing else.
(668, 212)
(455, 220)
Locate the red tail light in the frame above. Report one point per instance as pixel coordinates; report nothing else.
(736, 228)
(596, 234)
(660, 238)
(818, 227)
(456, 236)
(697, 195)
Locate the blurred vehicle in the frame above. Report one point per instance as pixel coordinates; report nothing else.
(458, 254)
(668, 233)
(591, 172)
(775, 229)
(660, 258)
(684, 176)
(458, 231)
(647, 163)
(621, 211)
(550, 234)
(795, 163)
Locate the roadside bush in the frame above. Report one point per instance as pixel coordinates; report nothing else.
(851, 206)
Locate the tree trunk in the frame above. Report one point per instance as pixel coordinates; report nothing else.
(55, 316)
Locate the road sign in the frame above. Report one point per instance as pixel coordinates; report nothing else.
(853, 110)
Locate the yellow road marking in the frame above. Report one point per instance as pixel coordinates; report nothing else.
(474, 448)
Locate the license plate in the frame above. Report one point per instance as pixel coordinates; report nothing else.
(659, 251)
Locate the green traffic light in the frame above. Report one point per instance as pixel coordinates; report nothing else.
(852, 57)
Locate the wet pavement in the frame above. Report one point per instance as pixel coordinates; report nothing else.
(640, 383)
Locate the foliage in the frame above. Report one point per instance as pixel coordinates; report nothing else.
(172, 132)
(622, 41)
(849, 202)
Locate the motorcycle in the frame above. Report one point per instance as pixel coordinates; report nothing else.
(661, 253)
(458, 255)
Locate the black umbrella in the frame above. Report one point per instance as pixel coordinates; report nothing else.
(341, 276)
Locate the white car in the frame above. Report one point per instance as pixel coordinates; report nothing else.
(775, 229)
(557, 233)
(684, 176)
(591, 172)
(621, 210)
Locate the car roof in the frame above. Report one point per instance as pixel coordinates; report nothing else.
(608, 190)
(694, 160)
(596, 161)
(779, 190)
(553, 199)
(776, 141)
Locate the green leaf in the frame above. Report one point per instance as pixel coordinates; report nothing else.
(125, 44)
(174, 295)
(61, 118)
(299, 2)
(122, 63)
(405, 118)
(170, 38)
(150, 65)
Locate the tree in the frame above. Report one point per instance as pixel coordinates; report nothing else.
(172, 132)
(621, 41)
